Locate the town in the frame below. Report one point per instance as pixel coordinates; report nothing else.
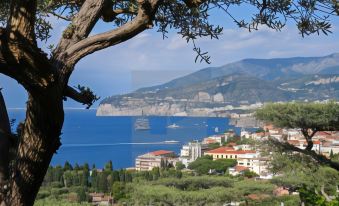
(244, 148)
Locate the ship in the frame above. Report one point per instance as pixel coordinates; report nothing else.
(142, 123)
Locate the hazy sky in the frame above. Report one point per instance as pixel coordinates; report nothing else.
(147, 59)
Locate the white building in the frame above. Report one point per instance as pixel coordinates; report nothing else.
(214, 139)
(148, 161)
(243, 147)
(190, 152)
(245, 134)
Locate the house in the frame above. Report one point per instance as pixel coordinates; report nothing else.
(244, 133)
(228, 134)
(148, 161)
(237, 170)
(100, 199)
(302, 144)
(214, 139)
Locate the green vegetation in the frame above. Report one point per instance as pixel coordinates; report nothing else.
(298, 172)
(202, 190)
(314, 116)
(309, 117)
(204, 164)
(71, 186)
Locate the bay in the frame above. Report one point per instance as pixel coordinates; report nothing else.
(96, 140)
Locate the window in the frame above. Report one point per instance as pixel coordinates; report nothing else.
(235, 156)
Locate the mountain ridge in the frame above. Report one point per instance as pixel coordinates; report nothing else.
(248, 80)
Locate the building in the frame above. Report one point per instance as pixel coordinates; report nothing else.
(228, 134)
(302, 144)
(244, 134)
(190, 152)
(229, 153)
(100, 199)
(237, 170)
(214, 139)
(148, 161)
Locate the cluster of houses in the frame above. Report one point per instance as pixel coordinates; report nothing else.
(324, 142)
(248, 157)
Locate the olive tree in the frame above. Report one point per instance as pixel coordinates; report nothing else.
(309, 117)
(45, 76)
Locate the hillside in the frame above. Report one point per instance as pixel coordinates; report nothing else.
(213, 91)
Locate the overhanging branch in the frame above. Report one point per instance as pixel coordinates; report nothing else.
(141, 22)
(285, 146)
(84, 95)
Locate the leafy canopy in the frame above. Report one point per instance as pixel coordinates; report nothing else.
(192, 18)
(316, 116)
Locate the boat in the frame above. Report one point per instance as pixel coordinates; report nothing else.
(142, 123)
(216, 129)
(171, 141)
(173, 126)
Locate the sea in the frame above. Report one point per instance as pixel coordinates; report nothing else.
(87, 138)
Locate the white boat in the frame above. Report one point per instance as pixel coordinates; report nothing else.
(216, 129)
(173, 126)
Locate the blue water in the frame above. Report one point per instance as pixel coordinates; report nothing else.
(96, 140)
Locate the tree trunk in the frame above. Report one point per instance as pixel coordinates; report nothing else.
(39, 140)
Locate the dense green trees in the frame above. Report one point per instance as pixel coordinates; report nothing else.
(204, 164)
(299, 172)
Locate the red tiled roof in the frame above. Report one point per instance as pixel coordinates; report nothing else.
(323, 133)
(161, 152)
(239, 168)
(221, 150)
(229, 150)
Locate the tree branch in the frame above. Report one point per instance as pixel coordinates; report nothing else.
(285, 146)
(85, 96)
(26, 63)
(81, 25)
(141, 22)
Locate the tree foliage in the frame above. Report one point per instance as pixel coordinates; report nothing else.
(45, 75)
(206, 163)
(315, 116)
(309, 117)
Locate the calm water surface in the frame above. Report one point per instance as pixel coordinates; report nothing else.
(96, 140)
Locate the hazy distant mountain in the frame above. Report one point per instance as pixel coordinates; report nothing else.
(267, 69)
(249, 80)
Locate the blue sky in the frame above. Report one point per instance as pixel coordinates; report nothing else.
(148, 60)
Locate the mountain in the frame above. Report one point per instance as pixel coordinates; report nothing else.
(214, 90)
